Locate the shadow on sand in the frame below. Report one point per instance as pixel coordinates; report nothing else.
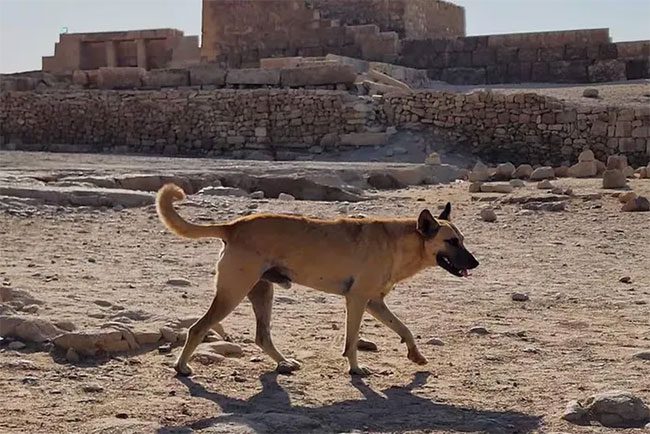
(399, 410)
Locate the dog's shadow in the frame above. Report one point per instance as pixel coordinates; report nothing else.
(399, 410)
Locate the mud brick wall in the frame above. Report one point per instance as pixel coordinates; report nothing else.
(177, 122)
(525, 127)
(582, 56)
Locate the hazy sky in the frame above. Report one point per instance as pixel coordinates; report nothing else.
(29, 28)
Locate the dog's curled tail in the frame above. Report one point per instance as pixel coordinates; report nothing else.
(167, 195)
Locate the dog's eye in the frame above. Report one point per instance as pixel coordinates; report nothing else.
(453, 242)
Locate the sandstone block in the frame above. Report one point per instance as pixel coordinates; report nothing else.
(318, 75)
(207, 75)
(614, 178)
(252, 76)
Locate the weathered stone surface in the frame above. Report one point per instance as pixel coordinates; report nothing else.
(384, 181)
(207, 75)
(95, 197)
(28, 329)
(318, 75)
(89, 342)
(158, 78)
(638, 204)
(120, 78)
(488, 215)
(523, 171)
(614, 178)
(496, 188)
(583, 169)
(505, 171)
(541, 173)
(270, 77)
(223, 191)
(480, 173)
(617, 409)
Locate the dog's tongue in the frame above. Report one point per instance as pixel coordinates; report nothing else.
(465, 273)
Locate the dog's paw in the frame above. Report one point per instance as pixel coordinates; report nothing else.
(288, 366)
(183, 369)
(415, 356)
(360, 371)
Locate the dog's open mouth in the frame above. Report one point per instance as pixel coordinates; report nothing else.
(445, 263)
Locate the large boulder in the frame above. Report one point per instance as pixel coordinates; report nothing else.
(505, 171)
(170, 77)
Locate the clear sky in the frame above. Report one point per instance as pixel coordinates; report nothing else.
(29, 28)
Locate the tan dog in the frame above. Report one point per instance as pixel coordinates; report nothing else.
(360, 259)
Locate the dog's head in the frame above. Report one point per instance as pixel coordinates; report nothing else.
(443, 242)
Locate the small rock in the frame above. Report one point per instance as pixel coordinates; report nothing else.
(519, 296)
(517, 183)
(92, 260)
(335, 326)
(497, 188)
(626, 197)
(617, 409)
(625, 279)
(643, 355)
(257, 195)
(103, 303)
(165, 348)
(286, 197)
(640, 204)
(225, 349)
(479, 331)
(584, 169)
(590, 93)
(574, 413)
(433, 159)
(614, 178)
(68, 326)
(121, 415)
(616, 162)
(628, 172)
(544, 185)
(523, 171)
(179, 282)
(480, 173)
(207, 357)
(72, 356)
(541, 173)
(32, 308)
(475, 187)
(488, 215)
(505, 171)
(16, 345)
(586, 156)
(436, 342)
(561, 172)
(366, 345)
(92, 388)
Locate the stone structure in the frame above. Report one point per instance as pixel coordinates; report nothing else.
(148, 49)
(240, 32)
(521, 128)
(575, 56)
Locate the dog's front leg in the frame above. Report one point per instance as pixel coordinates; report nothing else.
(354, 306)
(379, 310)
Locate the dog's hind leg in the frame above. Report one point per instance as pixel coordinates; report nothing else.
(354, 306)
(261, 297)
(379, 310)
(235, 279)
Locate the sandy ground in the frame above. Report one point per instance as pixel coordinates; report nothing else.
(574, 337)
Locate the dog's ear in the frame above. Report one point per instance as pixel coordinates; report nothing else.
(427, 225)
(446, 213)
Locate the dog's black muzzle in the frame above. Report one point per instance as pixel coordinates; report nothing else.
(458, 263)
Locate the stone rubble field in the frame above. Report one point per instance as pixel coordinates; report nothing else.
(551, 334)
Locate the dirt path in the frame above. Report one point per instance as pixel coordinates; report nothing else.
(574, 337)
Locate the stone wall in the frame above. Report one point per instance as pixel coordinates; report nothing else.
(238, 33)
(522, 127)
(525, 127)
(416, 19)
(579, 56)
(178, 122)
(148, 49)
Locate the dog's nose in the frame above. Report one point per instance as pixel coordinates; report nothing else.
(473, 263)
